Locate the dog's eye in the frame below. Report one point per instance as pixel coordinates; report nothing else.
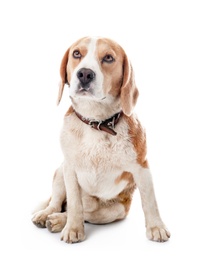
(77, 54)
(108, 58)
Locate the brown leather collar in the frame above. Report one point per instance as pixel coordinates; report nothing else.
(107, 125)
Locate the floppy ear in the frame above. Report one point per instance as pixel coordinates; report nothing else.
(129, 91)
(63, 75)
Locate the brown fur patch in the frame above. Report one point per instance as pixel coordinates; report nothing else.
(125, 197)
(129, 91)
(112, 72)
(138, 138)
(69, 63)
(69, 111)
(82, 47)
(126, 176)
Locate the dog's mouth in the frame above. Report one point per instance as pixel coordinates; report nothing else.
(87, 92)
(84, 90)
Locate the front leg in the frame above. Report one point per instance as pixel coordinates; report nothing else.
(74, 228)
(155, 228)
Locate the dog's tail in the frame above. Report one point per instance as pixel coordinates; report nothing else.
(42, 205)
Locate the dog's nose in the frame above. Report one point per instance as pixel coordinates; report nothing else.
(85, 76)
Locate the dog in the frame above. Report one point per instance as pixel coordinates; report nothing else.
(103, 143)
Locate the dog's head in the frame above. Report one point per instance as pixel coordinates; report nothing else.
(98, 69)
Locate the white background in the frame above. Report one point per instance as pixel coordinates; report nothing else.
(163, 40)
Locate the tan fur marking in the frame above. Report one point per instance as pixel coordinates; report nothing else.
(69, 63)
(125, 197)
(138, 138)
(129, 91)
(69, 111)
(108, 47)
(80, 46)
(126, 176)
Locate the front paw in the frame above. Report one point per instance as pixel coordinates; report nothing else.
(39, 219)
(73, 235)
(56, 222)
(158, 233)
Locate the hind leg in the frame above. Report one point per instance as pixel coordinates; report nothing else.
(106, 214)
(56, 201)
(97, 211)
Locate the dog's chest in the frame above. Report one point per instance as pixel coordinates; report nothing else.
(99, 159)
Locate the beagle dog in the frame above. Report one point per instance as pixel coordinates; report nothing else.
(103, 143)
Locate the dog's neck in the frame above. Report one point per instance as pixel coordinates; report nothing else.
(96, 110)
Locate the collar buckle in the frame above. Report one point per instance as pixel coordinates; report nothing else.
(107, 125)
